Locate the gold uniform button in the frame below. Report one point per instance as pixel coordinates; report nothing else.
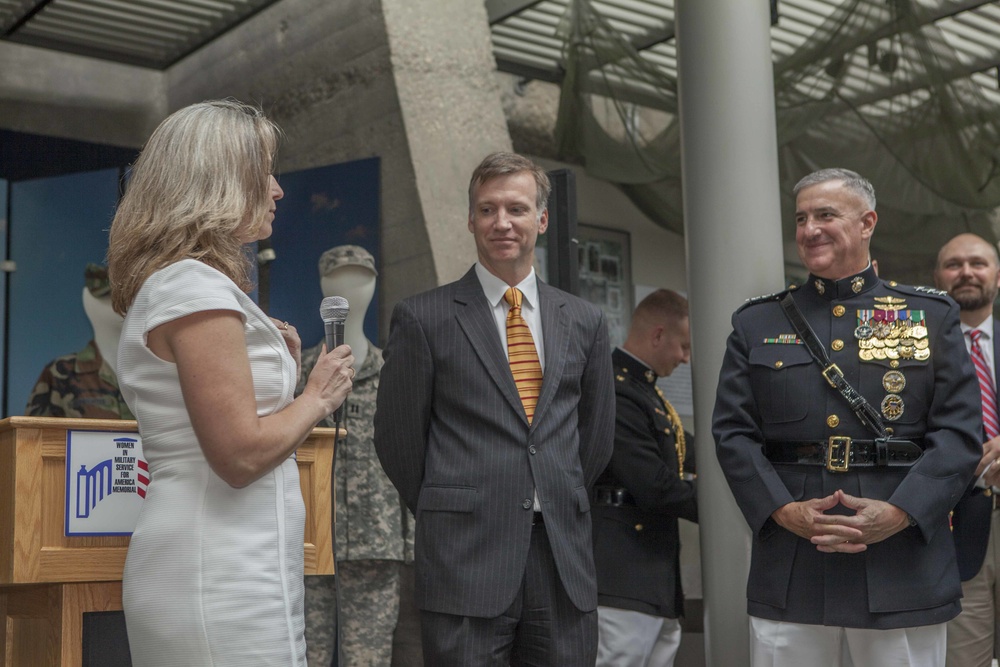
(639, 526)
(893, 364)
(833, 421)
(838, 311)
(837, 345)
(779, 364)
(893, 283)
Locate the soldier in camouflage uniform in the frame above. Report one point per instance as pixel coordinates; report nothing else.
(80, 384)
(373, 531)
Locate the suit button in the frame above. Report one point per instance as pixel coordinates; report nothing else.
(838, 311)
(531, 449)
(526, 503)
(833, 421)
(638, 526)
(837, 345)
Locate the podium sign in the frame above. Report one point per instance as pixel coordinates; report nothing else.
(106, 480)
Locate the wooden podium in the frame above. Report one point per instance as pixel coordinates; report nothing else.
(48, 581)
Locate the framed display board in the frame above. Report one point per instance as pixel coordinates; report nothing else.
(605, 268)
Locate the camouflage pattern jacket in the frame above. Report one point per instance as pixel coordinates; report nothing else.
(78, 385)
(371, 521)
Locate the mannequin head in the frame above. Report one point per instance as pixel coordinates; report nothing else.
(349, 271)
(106, 323)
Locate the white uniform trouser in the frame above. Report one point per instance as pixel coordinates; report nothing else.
(780, 644)
(633, 639)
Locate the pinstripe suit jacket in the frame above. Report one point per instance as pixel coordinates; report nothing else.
(451, 433)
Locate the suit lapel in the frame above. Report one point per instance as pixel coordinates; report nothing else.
(556, 339)
(475, 317)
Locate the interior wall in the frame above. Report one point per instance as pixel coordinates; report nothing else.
(355, 79)
(658, 258)
(322, 72)
(64, 95)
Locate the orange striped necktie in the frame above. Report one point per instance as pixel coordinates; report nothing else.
(521, 352)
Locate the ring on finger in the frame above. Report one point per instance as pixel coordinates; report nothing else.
(353, 373)
(284, 326)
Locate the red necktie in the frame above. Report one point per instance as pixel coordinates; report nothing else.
(990, 422)
(523, 356)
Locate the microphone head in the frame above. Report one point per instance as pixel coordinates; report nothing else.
(334, 308)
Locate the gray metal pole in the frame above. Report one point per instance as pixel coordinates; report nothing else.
(734, 251)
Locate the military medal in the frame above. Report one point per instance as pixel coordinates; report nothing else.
(893, 381)
(891, 331)
(892, 407)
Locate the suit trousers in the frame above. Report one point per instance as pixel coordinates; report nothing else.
(542, 627)
(633, 639)
(782, 644)
(972, 636)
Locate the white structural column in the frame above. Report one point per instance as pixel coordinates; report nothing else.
(732, 222)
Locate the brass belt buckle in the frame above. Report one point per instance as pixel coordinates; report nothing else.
(838, 453)
(829, 372)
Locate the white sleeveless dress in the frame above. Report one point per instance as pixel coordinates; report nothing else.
(214, 574)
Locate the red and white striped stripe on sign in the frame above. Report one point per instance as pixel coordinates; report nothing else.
(990, 421)
(523, 356)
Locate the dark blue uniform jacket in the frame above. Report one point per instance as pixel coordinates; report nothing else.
(770, 390)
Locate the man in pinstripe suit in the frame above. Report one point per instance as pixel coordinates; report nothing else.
(504, 562)
(968, 268)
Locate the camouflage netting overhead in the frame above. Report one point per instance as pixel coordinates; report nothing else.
(876, 89)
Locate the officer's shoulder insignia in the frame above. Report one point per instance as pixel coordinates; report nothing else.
(764, 298)
(930, 290)
(917, 290)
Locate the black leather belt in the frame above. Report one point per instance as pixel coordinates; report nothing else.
(841, 453)
(604, 495)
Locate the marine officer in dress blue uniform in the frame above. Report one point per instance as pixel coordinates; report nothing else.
(848, 502)
(638, 498)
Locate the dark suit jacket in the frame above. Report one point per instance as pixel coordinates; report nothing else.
(451, 433)
(637, 543)
(771, 390)
(971, 521)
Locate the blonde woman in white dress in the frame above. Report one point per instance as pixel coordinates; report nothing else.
(214, 569)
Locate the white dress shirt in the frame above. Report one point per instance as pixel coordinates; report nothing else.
(494, 289)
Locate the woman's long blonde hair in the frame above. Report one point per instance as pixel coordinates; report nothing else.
(200, 189)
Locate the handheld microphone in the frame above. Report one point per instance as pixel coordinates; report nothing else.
(333, 310)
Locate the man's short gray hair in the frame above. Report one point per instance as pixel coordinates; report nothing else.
(851, 180)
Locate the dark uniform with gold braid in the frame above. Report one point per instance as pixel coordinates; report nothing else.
(639, 497)
(784, 434)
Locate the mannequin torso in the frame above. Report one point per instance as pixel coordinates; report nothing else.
(107, 325)
(357, 285)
